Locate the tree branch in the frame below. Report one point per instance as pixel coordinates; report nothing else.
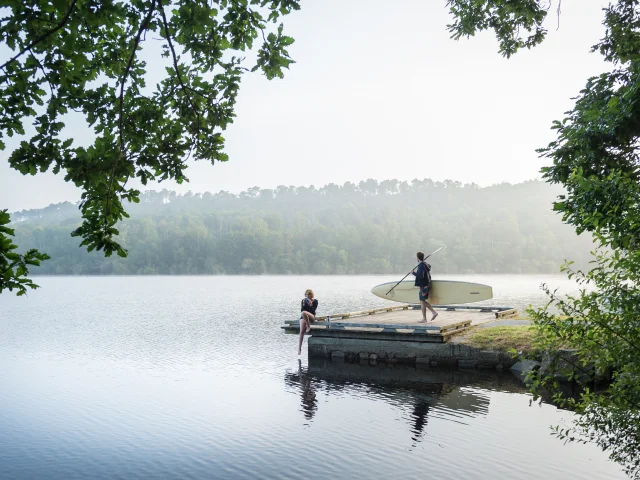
(601, 324)
(175, 66)
(43, 70)
(10, 267)
(143, 26)
(125, 75)
(62, 23)
(559, 12)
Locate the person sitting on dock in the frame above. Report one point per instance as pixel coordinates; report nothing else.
(308, 308)
(423, 281)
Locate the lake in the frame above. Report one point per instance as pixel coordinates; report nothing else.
(191, 378)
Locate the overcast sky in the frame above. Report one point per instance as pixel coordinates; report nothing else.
(380, 91)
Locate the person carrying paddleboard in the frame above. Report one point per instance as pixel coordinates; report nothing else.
(423, 281)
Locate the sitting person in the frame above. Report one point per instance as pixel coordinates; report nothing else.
(308, 316)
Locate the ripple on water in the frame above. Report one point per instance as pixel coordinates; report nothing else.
(191, 377)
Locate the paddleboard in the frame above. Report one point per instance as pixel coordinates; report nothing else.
(443, 292)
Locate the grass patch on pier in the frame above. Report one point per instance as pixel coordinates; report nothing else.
(519, 337)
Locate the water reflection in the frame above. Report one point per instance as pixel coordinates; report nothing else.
(420, 393)
(172, 387)
(419, 414)
(308, 398)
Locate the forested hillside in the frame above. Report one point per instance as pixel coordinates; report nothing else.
(372, 227)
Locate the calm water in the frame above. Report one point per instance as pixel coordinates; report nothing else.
(191, 377)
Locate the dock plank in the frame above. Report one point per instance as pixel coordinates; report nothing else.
(404, 319)
(400, 323)
(411, 318)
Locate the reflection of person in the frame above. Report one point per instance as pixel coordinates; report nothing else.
(308, 308)
(420, 411)
(423, 281)
(303, 382)
(308, 394)
(426, 397)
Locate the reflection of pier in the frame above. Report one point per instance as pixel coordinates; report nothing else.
(451, 394)
(409, 375)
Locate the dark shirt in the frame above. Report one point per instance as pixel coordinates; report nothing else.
(422, 275)
(309, 306)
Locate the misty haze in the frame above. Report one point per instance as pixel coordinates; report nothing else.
(337, 229)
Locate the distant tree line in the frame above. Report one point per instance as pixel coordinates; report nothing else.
(371, 227)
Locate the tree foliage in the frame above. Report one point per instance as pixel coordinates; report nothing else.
(595, 157)
(516, 23)
(83, 56)
(14, 267)
(372, 227)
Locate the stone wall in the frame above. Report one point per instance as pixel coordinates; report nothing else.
(434, 354)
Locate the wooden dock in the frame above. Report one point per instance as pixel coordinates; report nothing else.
(401, 323)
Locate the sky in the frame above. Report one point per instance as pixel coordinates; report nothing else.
(380, 91)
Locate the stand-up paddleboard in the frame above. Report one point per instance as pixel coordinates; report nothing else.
(443, 292)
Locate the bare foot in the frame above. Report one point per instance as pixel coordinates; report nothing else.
(434, 316)
(424, 320)
(308, 328)
(299, 352)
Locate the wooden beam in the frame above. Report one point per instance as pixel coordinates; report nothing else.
(371, 311)
(512, 312)
(388, 327)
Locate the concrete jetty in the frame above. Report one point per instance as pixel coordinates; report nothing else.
(394, 335)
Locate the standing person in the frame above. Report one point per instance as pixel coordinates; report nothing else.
(308, 316)
(423, 280)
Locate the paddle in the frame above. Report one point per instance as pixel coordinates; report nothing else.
(413, 270)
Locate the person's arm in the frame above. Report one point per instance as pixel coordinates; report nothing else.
(314, 304)
(421, 273)
(414, 271)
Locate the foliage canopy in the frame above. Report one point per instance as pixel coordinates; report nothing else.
(14, 267)
(595, 157)
(83, 56)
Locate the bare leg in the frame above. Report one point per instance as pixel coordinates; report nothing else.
(428, 305)
(303, 329)
(309, 318)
